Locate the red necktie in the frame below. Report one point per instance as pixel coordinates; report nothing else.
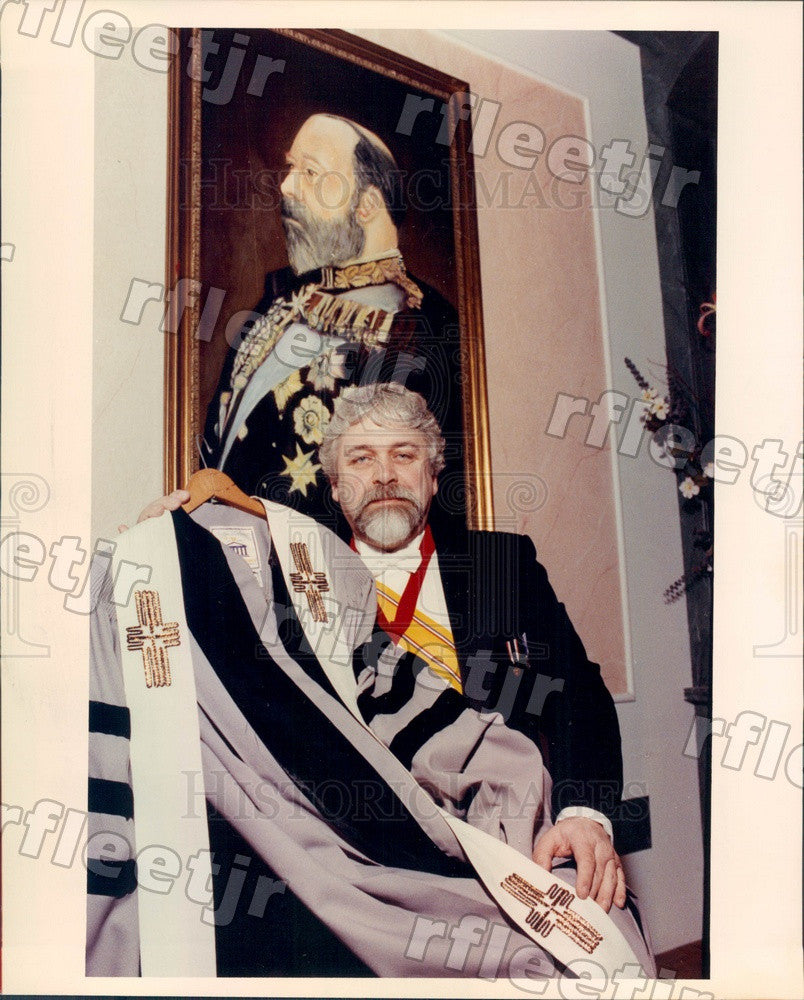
(410, 596)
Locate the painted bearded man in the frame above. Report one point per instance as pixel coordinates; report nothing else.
(345, 312)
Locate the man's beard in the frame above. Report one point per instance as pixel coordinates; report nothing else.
(389, 527)
(318, 242)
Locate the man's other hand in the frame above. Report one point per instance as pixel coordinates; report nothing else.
(172, 501)
(600, 871)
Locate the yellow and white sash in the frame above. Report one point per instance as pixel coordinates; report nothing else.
(425, 637)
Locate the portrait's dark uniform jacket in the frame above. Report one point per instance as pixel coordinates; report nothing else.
(422, 353)
(496, 592)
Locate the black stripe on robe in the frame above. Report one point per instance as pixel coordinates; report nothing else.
(280, 714)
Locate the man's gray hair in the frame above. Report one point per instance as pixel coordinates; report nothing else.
(386, 403)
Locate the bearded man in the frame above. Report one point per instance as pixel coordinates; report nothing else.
(346, 312)
(478, 608)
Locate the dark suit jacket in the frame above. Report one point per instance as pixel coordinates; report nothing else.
(496, 591)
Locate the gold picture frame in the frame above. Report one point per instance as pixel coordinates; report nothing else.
(194, 107)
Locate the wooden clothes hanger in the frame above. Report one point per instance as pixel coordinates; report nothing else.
(208, 484)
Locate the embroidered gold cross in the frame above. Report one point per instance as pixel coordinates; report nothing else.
(153, 637)
(306, 581)
(555, 911)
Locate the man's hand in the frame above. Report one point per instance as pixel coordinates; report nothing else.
(600, 871)
(172, 501)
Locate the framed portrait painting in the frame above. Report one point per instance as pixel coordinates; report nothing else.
(233, 113)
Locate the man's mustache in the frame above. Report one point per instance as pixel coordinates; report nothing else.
(389, 493)
(295, 211)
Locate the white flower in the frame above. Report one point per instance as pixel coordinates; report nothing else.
(309, 420)
(689, 488)
(661, 407)
(326, 369)
(709, 470)
(648, 395)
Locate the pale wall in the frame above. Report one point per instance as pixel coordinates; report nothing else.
(655, 726)
(128, 357)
